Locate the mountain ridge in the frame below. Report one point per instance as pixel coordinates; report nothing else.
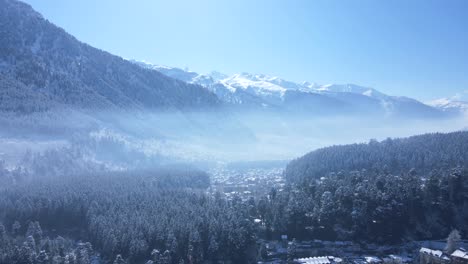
(43, 67)
(264, 91)
(450, 105)
(66, 72)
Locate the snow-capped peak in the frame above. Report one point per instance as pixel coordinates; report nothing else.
(351, 88)
(217, 76)
(310, 85)
(261, 83)
(450, 105)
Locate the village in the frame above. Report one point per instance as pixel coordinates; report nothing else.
(255, 181)
(347, 252)
(246, 182)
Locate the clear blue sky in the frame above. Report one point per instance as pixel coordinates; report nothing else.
(417, 48)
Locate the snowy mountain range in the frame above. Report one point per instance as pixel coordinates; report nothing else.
(42, 67)
(260, 91)
(450, 105)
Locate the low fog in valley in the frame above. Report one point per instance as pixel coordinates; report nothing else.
(110, 160)
(203, 137)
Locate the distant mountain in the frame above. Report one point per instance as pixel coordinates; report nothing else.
(42, 66)
(450, 105)
(261, 91)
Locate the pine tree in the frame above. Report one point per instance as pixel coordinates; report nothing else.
(27, 252)
(119, 260)
(82, 254)
(292, 247)
(2, 234)
(156, 256)
(70, 259)
(30, 243)
(42, 258)
(213, 246)
(34, 230)
(167, 258)
(171, 242)
(16, 227)
(263, 253)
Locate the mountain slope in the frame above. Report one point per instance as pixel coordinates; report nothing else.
(259, 91)
(42, 66)
(424, 153)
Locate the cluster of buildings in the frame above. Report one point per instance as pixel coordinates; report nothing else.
(431, 256)
(319, 260)
(346, 252)
(331, 252)
(426, 256)
(246, 182)
(389, 259)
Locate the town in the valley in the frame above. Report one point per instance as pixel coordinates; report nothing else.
(252, 180)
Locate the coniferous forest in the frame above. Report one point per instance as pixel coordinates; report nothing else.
(113, 159)
(172, 215)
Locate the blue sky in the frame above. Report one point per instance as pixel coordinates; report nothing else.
(416, 48)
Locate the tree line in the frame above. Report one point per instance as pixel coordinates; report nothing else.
(424, 153)
(59, 208)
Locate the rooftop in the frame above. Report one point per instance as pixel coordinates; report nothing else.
(459, 253)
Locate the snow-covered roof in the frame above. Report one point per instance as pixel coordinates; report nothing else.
(436, 253)
(402, 259)
(372, 259)
(460, 254)
(315, 260)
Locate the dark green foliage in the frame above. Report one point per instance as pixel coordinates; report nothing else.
(131, 214)
(424, 153)
(373, 206)
(167, 216)
(412, 188)
(21, 249)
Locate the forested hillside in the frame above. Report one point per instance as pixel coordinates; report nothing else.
(398, 189)
(371, 205)
(163, 215)
(424, 153)
(42, 67)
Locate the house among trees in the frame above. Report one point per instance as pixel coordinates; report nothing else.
(430, 256)
(459, 256)
(373, 260)
(451, 253)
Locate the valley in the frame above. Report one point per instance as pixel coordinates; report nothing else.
(106, 159)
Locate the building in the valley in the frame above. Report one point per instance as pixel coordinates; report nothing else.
(357, 260)
(319, 260)
(459, 256)
(397, 259)
(373, 260)
(430, 256)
